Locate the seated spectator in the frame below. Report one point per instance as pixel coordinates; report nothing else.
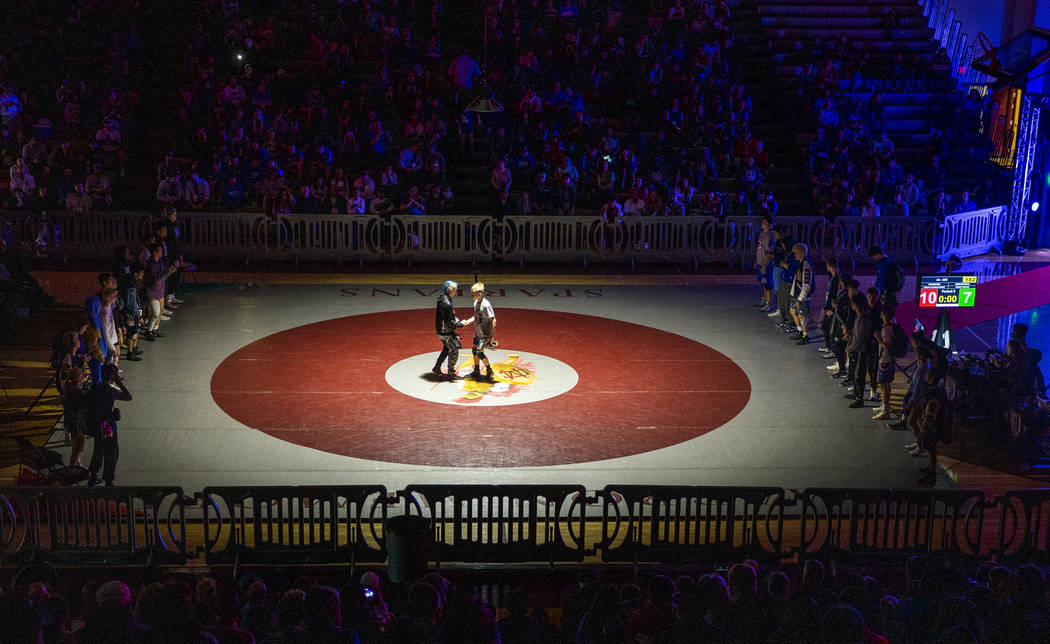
(78, 200)
(414, 204)
(112, 619)
(657, 614)
(21, 182)
(964, 203)
(169, 190)
(355, 203)
(381, 204)
(197, 191)
(97, 186)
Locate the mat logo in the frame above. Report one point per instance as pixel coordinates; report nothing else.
(510, 376)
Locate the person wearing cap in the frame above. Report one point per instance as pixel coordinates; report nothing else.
(446, 323)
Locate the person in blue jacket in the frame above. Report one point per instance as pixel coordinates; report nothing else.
(886, 273)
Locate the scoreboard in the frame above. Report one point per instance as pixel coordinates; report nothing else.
(938, 291)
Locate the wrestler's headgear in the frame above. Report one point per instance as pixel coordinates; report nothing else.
(449, 285)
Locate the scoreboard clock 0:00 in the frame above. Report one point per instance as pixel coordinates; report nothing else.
(947, 291)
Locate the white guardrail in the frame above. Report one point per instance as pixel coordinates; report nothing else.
(696, 239)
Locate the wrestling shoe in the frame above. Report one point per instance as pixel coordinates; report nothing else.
(453, 376)
(774, 314)
(833, 368)
(177, 300)
(475, 375)
(437, 372)
(856, 404)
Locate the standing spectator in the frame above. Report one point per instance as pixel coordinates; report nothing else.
(859, 344)
(105, 452)
(157, 272)
(70, 381)
(887, 364)
(801, 288)
(500, 180)
(462, 71)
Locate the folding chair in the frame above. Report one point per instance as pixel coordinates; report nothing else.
(45, 466)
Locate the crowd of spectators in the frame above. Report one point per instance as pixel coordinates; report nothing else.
(362, 107)
(923, 601)
(64, 117)
(375, 118)
(854, 165)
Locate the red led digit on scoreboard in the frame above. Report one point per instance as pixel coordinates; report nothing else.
(928, 297)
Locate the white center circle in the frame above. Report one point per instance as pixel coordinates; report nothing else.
(518, 377)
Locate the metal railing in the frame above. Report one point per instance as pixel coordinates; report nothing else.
(365, 238)
(111, 526)
(844, 523)
(505, 523)
(293, 524)
(948, 32)
(348, 525)
(674, 523)
(973, 233)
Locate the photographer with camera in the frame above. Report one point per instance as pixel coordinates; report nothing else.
(102, 424)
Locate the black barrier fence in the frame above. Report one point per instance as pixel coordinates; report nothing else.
(670, 523)
(444, 524)
(101, 526)
(294, 524)
(858, 523)
(502, 523)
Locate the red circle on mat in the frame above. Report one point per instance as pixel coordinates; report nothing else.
(322, 386)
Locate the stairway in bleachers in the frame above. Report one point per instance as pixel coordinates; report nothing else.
(791, 27)
(770, 120)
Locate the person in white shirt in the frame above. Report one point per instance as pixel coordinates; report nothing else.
(634, 205)
(484, 327)
(801, 288)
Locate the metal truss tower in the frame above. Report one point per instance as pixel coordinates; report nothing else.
(1027, 139)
